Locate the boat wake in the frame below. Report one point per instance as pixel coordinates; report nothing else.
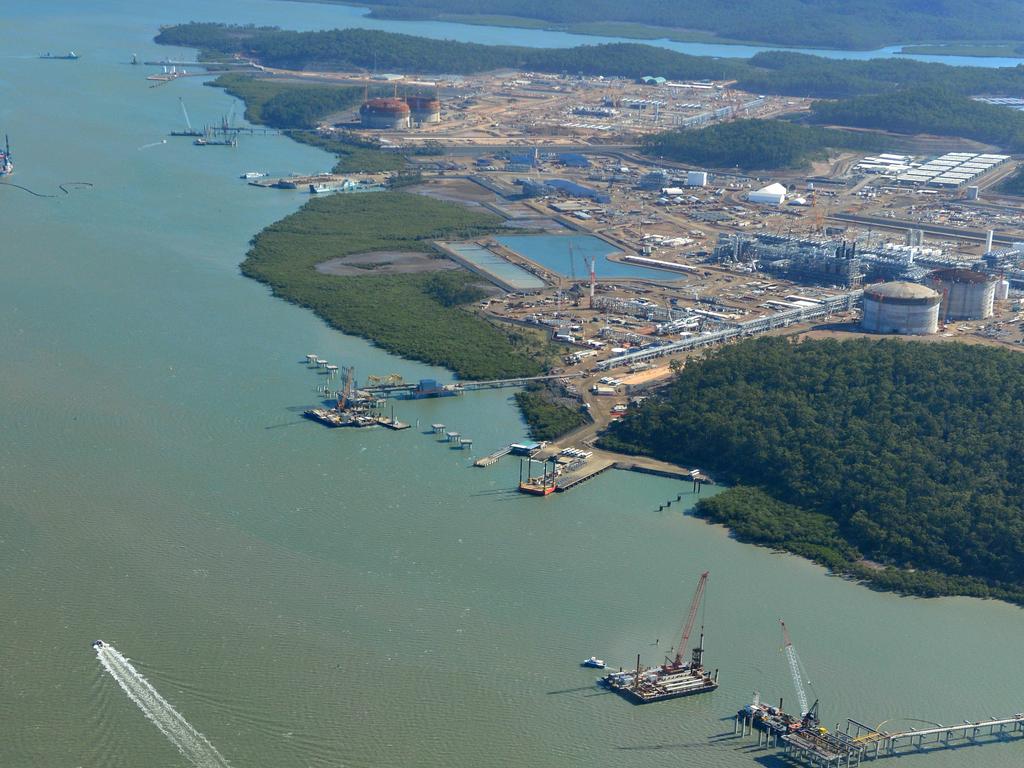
(190, 742)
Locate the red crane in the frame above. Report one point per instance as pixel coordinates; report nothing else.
(688, 627)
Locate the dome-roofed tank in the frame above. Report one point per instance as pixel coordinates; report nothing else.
(384, 113)
(899, 307)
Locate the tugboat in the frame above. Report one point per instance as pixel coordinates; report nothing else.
(6, 159)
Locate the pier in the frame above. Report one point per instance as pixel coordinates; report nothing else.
(470, 385)
(492, 458)
(587, 471)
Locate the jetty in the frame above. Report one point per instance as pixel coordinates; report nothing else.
(577, 474)
(811, 745)
(492, 458)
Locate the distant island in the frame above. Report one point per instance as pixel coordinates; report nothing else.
(865, 25)
(900, 463)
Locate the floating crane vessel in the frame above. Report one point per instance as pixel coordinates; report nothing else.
(676, 677)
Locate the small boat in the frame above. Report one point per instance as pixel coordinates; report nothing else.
(594, 662)
(252, 175)
(69, 56)
(97, 644)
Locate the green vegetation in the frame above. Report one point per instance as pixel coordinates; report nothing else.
(822, 23)
(798, 74)
(973, 50)
(354, 154)
(754, 144)
(911, 450)
(548, 418)
(928, 110)
(1013, 185)
(286, 103)
(297, 107)
(773, 72)
(755, 517)
(400, 313)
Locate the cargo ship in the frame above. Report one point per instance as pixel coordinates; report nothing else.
(69, 56)
(6, 159)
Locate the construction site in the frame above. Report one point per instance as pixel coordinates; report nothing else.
(528, 108)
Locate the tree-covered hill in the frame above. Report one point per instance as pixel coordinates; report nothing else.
(909, 454)
(754, 144)
(928, 110)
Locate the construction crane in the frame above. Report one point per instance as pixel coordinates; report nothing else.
(572, 263)
(796, 669)
(345, 394)
(684, 642)
(188, 123)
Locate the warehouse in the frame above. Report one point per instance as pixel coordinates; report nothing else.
(773, 194)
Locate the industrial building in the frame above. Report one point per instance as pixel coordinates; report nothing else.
(966, 295)
(828, 262)
(953, 170)
(905, 308)
(773, 194)
(424, 109)
(386, 114)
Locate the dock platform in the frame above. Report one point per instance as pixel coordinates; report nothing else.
(589, 471)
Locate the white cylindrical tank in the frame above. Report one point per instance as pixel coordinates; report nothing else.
(967, 295)
(905, 308)
(696, 178)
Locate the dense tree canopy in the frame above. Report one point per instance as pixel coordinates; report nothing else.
(928, 110)
(822, 23)
(914, 450)
(775, 72)
(414, 315)
(753, 144)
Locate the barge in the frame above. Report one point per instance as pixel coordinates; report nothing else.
(676, 677)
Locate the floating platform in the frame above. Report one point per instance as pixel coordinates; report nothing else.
(331, 417)
(535, 487)
(384, 421)
(661, 683)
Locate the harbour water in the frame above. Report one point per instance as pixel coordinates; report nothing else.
(312, 597)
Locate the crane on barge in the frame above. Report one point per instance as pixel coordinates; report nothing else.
(697, 658)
